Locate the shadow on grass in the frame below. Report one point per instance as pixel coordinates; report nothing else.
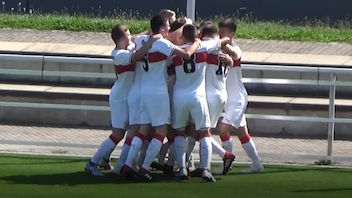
(77, 178)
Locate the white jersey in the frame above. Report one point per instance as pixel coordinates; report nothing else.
(119, 92)
(124, 72)
(154, 77)
(234, 85)
(140, 40)
(189, 91)
(190, 74)
(215, 85)
(215, 77)
(134, 98)
(237, 95)
(155, 103)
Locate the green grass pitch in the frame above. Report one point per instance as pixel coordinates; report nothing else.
(36, 176)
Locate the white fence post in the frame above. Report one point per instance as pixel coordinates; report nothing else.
(331, 127)
(191, 9)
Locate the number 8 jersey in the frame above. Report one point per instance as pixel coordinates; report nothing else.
(189, 98)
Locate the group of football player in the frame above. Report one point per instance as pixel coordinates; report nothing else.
(177, 84)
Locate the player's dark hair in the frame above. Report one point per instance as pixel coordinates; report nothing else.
(189, 32)
(118, 32)
(229, 24)
(207, 28)
(157, 22)
(177, 24)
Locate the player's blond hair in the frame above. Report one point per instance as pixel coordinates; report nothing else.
(167, 14)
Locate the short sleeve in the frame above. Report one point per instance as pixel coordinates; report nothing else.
(122, 57)
(212, 45)
(140, 40)
(165, 47)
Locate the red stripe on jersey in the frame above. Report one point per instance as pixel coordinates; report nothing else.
(201, 57)
(178, 61)
(156, 57)
(213, 59)
(237, 63)
(119, 69)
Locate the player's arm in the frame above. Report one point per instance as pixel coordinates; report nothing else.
(187, 53)
(226, 59)
(234, 52)
(134, 36)
(139, 54)
(225, 41)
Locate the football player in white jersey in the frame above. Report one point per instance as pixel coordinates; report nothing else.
(215, 84)
(190, 101)
(155, 104)
(133, 104)
(174, 36)
(236, 105)
(124, 68)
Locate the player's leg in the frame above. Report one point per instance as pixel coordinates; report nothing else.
(169, 166)
(205, 155)
(105, 149)
(200, 115)
(119, 122)
(153, 150)
(125, 149)
(249, 146)
(179, 146)
(160, 164)
(225, 136)
(136, 146)
(190, 144)
(216, 104)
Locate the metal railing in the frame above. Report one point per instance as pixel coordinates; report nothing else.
(332, 83)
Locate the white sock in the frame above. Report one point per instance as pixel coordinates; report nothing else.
(142, 153)
(135, 147)
(228, 145)
(105, 148)
(123, 157)
(152, 152)
(217, 148)
(251, 151)
(191, 142)
(172, 157)
(180, 144)
(205, 153)
(162, 153)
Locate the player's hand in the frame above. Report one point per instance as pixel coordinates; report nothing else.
(198, 41)
(226, 59)
(225, 41)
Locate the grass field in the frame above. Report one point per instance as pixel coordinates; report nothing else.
(249, 29)
(33, 176)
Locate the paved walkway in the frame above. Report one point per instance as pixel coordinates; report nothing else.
(84, 142)
(268, 51)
